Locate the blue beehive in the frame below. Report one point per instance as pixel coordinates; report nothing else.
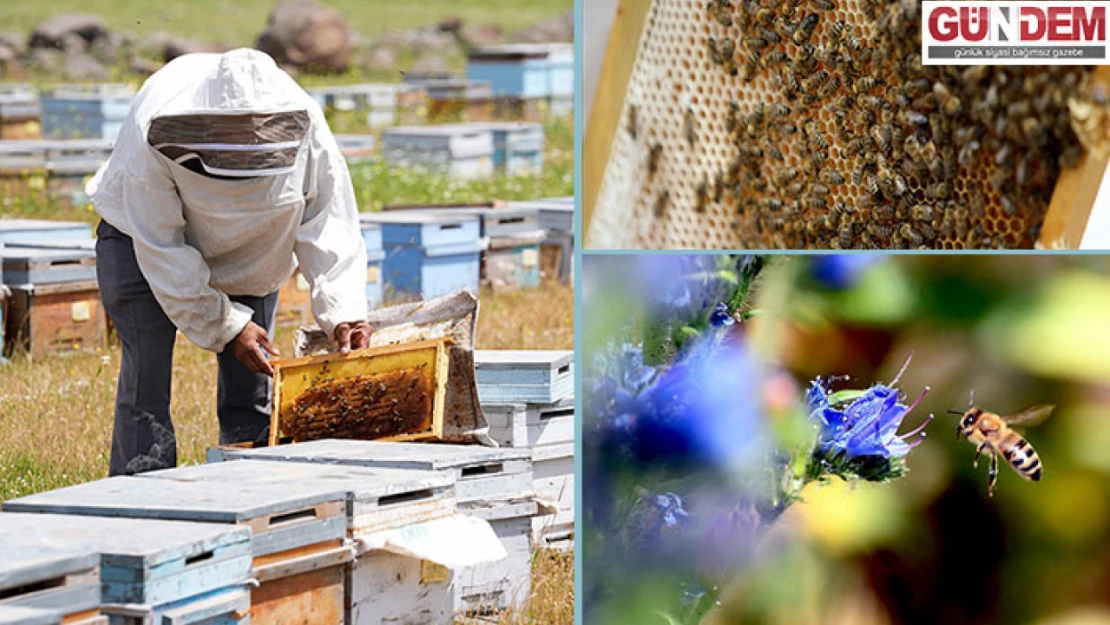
(85, 111)
(520, 70)
(375, 254)
(518, 147)
(428, 254)
(460, 150)
(36, 265)
(43, 230)
(152, 571)
(525, 70)
(557, 221)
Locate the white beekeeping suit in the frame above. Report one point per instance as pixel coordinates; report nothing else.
(226, 176)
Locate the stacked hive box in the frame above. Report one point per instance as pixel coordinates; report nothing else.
(356, 148)
(378, 102)
(492, 484)
(451, 98)
(20, 112)
(428, 254)
(518, 147)
(463, 151)
(63, 582)
(528, 400)
(28, 616)
(557, 222)
(151, 572)
(22, 172)
(85, 111)
(512, 239)
(69, 166)
(528, 80)
(54, 304)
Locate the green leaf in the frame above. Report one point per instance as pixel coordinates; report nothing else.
(845, 396)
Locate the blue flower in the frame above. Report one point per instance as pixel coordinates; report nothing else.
(703, 410)
(841, 271)
(858, 431)
(720, 316)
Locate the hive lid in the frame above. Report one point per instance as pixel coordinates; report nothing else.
(426, 457)
(395, 392)
(516, 358)
(135, 541)
(17, 615)
(27, 564)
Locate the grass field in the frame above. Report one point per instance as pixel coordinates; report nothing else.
(238, 22)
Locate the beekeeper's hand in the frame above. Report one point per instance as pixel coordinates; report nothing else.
(248, 348)
(352, 335)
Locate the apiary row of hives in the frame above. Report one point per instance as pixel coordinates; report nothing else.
(814, 124)
(301, 533)
(324, 531)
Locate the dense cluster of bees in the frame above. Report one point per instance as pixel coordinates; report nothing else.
(362, 407)
(862, 146)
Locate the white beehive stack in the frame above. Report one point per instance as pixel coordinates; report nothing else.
(743, 92)
(528, 399)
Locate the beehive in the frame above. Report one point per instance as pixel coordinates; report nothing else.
(11, 615)
(65, 581)
(717, 89)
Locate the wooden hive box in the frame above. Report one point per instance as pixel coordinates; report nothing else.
(557, 249)
(553, 467)
(507, 583)
(393, 393)
(531, 425)
(64, 582)
(528, 376)
(22, 173)
(385, 588)
(26, 230)
(13, 615)
(481, 473)
(55, 318)
(20, 112)
(463, 151)
(151, 570)
(298, 525)
(37, 265)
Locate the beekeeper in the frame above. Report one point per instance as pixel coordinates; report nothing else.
(224, 178)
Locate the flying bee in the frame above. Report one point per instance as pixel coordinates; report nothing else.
(661, 203)
(653, 158)
(992, 433)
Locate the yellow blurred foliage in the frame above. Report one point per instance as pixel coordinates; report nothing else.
(844, 518)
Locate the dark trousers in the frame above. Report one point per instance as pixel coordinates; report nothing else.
(143, 438)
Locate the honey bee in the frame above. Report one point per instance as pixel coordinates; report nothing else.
(845, 234)
(653, 158)
(829, 87)
(825, 5)
(815, 203)
(912, 236)
(773, 58)
(661, 203)
(690, 126)
(701, 194)
(940, 190)
(633, 130)
(805, 29)
(922, 212)
(720, 10)
(881, 136)
(775, 152)
(865, 84)
(948, 103)
(830, 177)
(993, 434)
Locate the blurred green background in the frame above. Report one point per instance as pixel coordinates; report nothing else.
(933, 547)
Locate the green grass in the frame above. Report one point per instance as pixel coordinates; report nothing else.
(236, 23)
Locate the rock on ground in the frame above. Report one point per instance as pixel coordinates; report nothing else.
(63, 31)
(307, 35)
(555, 30)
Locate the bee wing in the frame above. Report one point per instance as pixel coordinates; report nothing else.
(1030, 416)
